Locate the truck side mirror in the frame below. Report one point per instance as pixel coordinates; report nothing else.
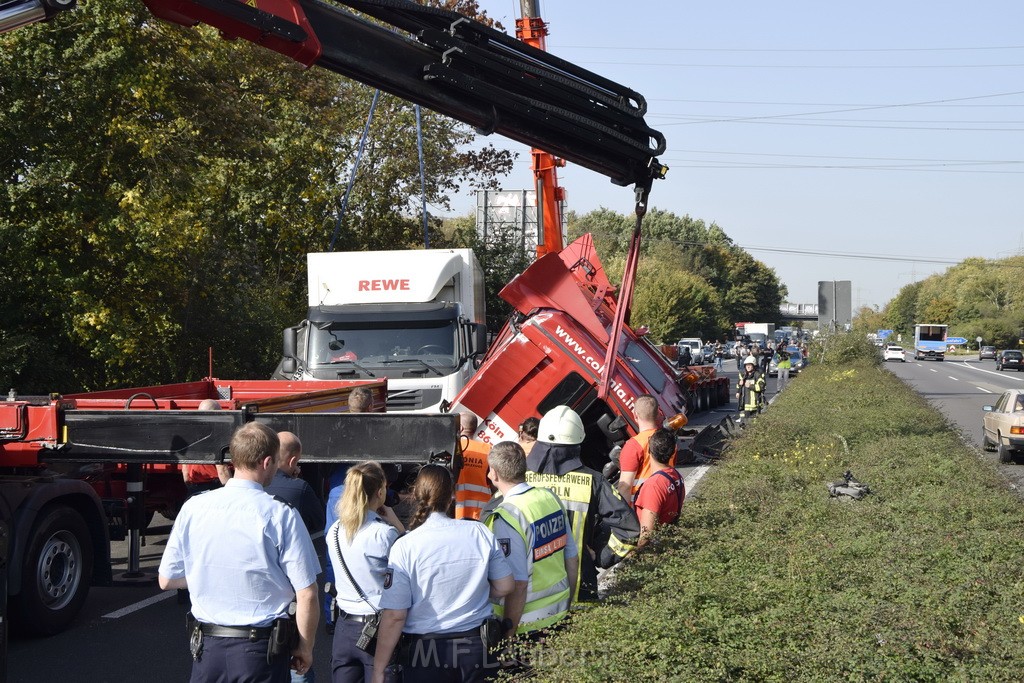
(288, 350)
(479, 339)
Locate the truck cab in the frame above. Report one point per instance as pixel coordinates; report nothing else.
(552, 352)
(415, 317)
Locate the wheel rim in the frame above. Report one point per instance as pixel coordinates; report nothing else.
(59, 570)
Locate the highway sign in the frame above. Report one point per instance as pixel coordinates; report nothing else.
(884, 334)
(955, 340)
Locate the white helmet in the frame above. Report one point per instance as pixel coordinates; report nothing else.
(561, 425)
(750, 361)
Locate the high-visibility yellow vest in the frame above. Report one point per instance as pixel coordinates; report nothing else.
(537, 516)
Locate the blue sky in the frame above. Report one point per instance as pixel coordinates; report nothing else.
(891, 130)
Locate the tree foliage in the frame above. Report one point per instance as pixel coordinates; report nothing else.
(692, 279)
(976, 298)
(162, 187)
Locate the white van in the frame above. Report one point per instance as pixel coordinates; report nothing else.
(696, 349)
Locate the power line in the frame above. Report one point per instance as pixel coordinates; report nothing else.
(811, 66)
(829, 156)
(868, 108)
(834, 104)
(797, 50)
(801, 252)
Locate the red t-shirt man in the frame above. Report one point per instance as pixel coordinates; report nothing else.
(660, 498)
(662, 494)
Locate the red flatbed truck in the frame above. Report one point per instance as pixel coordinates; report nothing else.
(77, 471)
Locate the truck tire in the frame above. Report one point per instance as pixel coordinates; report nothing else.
(56, 572)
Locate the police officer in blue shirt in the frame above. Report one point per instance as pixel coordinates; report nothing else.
(245, 556)
(441, 577)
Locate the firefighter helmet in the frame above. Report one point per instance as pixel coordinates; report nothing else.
(561, 425)
(750, 361)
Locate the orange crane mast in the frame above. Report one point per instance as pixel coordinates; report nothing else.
(533, 31)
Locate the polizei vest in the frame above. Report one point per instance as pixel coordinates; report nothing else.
(537, 516)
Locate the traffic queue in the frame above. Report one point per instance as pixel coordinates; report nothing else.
(436, 597)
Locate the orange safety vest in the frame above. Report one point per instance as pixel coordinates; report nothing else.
(201, 474)
(472, 492)
(646, 469)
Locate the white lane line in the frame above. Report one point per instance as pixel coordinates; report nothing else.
(997, 373)
(933, 369)
(953, 378)
(125, 611)
(694, 477)
(983, 389)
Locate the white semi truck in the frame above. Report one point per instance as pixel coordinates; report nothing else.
(415, 317)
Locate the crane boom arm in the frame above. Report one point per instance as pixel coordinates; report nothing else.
(441, 60)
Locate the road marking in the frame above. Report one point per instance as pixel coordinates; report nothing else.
(993, 372)
(953, 378)
(142, 604)
(694, 477)
(933, 369)
(983, 389)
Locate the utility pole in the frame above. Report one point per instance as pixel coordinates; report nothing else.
(532, 30)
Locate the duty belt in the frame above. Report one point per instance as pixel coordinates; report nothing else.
(445, 636)
(355, 617)
(253, 633)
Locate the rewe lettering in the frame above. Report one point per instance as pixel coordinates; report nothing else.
(383, 285)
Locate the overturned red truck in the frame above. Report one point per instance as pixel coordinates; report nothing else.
(552, 352)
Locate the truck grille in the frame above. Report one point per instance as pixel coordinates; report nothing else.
(412, 399)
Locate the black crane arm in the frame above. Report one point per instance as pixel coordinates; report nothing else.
(441, 60)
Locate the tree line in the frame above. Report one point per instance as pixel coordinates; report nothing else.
(976, 298)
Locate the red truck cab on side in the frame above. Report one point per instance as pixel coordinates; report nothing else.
(551, 352)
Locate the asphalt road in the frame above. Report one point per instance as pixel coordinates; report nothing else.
(133, 631)
(959, 389)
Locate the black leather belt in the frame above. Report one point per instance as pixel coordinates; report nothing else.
(250, 632)
(356, 617)
(474, 632)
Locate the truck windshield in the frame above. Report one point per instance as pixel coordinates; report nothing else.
(384, 343)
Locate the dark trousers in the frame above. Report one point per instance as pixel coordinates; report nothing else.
(348, 663)
(238, 660)
(447, 660)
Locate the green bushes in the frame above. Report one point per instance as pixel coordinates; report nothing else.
(767, 578)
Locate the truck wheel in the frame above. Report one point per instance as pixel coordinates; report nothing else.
(56, 573)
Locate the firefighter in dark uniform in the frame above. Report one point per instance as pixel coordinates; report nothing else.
(246, 557)
(750, 389)
(603, 524)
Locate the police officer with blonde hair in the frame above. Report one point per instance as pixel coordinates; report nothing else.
(533, 530)
(245, 556)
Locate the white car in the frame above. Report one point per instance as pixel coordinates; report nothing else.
(893, 352)
(1003, 425)
(696, 349)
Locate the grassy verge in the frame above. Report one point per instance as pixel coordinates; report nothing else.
(766, 578)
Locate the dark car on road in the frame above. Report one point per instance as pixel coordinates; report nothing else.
(1010, 360)
(987, 352)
